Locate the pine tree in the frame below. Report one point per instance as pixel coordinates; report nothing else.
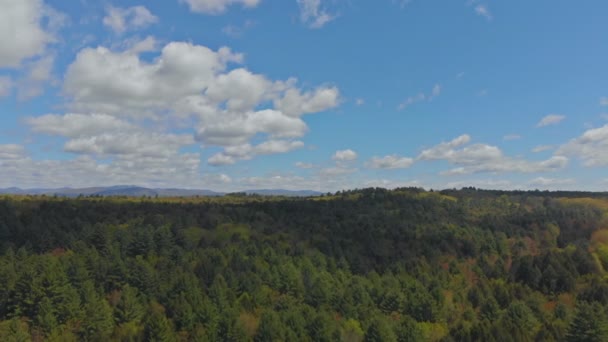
(589, 324)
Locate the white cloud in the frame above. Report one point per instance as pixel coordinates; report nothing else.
(509, 137)
(217, 6)
(294, 103)
(359, 102)
(38, 74)
(221, 159)
(547, 183)
(143, 143)
(303, 165)
(390, 162)
(6, 86)
(436, 91)
(104, 135)
(552, 119)
(336, 171)
(480, 158)
(74, 125)
(313, 15)
(236, 31)
(121, 20)
(591, 147)
(26, 28)
(484, 11)
(19, 169)
(604, 101)
(541, 148)
(11, 151)
(345, 155)
(191, 84)
(232, 154)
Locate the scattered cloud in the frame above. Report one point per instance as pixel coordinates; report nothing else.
(390, 162)
(591, 147)
(237, 31)
(481, 158)
(121, 20)
(510, 137)
(313, 14)
(345, 155)
(232, 154)
(551, 182)
(484, 11)
(604, 101)
(216, 7)
(436, 91)
(303, 165)
(552, 119)
(542, 148)
(337, 171)
(359, 102)
(20, 169)
(38, 73)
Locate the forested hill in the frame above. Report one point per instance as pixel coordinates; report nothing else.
(364, 265)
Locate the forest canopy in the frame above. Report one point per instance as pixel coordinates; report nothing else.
(362, 265)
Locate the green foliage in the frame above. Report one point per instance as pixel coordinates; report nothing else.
(362, 265)
(589, 324)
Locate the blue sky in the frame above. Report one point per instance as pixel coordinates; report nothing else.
(304, 94)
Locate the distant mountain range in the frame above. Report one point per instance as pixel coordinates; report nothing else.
(137, 191)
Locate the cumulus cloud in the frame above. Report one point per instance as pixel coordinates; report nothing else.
(26, 29)
(74, 125)
(232, 154)
(217, 6)
(552, 119)
(227, 107)
(390, 162)
(104, 135)
(591, 147)
(345, 155)
(121, 20)
(313, 14)
(481, 158)
(296, 103)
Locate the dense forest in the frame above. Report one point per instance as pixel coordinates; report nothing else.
(362, 265)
